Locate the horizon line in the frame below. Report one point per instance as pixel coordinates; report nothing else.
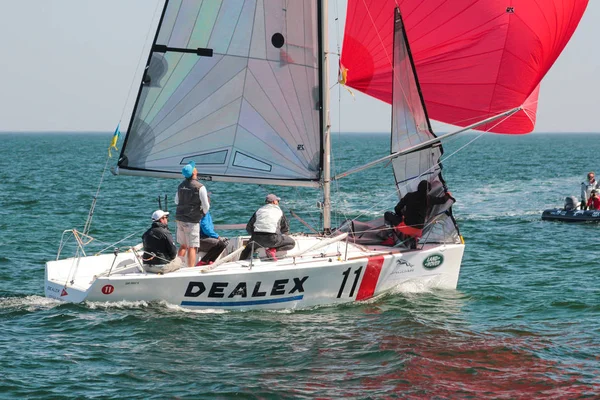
(81, 132)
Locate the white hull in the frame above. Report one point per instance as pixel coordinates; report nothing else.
(328, 275)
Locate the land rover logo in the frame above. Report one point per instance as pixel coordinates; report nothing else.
(433, 261)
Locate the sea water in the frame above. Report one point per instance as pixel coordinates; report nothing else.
(524, 322)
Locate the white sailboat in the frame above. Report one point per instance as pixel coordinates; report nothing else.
(241, 88)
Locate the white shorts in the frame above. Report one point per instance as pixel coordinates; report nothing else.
(188, 234)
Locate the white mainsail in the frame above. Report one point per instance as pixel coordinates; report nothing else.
(234, 86)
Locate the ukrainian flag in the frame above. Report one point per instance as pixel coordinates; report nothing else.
(115, 139)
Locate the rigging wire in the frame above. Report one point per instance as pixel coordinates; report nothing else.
(88, 222)
(116, 243)
(386, 198)
(141, 57)
(337, 191)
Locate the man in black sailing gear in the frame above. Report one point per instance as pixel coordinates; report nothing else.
(408, 218)
(160, 252)
(192, 204)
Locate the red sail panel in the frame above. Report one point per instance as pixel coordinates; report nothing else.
(474, 58)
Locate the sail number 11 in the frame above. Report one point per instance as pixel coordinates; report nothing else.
(346, 274)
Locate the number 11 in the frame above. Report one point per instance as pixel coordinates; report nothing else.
(346, 274)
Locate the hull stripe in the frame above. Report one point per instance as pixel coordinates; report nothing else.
(239, 303)
(370, 278)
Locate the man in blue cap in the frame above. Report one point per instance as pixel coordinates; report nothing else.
(192, 204)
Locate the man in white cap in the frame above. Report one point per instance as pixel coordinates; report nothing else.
(159, 248)
(192, 204)
(268, 227)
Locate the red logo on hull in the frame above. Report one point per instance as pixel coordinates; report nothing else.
(63, 293)
(108, 289)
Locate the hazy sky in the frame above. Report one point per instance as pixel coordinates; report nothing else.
(68, 65)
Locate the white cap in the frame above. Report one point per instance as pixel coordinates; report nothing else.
(158, 214)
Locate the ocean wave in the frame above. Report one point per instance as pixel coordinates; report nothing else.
(28, 303)
(120, 305)
(177, 308)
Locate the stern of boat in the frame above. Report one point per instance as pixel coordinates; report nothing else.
(70, 279)
(433, 266)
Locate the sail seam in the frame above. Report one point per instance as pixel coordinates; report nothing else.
(247, 63)
(300, 102)
(276, 109)
(493, 96)
(192, 139)
(237, 22)
(193, 108)
(387, 55)
(159, 93)
(450, 18)
(215, 150)
(155, 123)
(233, 143)
(171, 72)
(267, 144)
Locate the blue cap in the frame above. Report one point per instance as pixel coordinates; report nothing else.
(188, 170)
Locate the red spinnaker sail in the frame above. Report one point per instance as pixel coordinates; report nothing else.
(474, 58)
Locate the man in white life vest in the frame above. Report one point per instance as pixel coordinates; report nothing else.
(587, 187)
(268, 227)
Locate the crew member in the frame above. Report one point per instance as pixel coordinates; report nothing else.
(159, 248)
(192, 204)
(268, 228)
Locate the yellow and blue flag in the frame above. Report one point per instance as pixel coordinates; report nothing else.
(115, 139)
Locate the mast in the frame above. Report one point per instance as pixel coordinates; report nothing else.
(325, 116)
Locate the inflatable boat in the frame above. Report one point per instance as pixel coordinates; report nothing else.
(560, 214)
(571, 213)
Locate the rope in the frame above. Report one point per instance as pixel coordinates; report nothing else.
(88, 222)
(153, 257)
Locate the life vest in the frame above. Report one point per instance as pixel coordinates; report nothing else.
(189, 206)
